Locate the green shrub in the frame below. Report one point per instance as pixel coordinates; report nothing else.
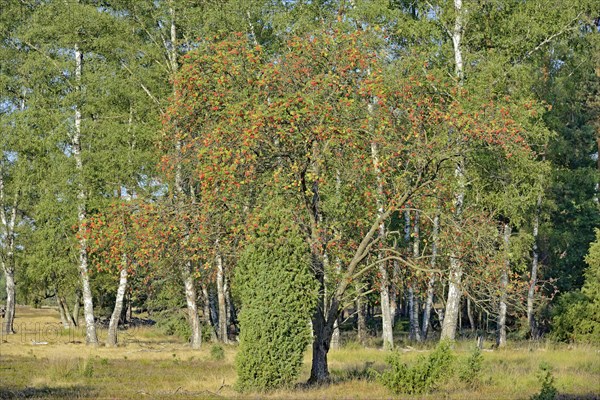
(217, 353)
(566, 316)
(423, 377)
(470, 370)
(576, 316)
(174, 323)
(87, 368)
(548, 391)
(278, 294)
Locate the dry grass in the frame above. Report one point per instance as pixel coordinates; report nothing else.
(155, 366)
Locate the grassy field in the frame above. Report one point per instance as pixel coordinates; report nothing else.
(44, 361)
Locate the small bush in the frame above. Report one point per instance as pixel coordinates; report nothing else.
(217, 353)
(208, 333)
(470, 370)
(174, 324)
(86, 369)
(423, 377)
(548, 391)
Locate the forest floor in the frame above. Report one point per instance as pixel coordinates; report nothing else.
(44, 361)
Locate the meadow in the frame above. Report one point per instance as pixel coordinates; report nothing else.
(45, 361)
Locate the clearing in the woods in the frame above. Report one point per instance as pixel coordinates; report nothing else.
(45, 361)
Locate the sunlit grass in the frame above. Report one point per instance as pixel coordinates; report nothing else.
(149, 364)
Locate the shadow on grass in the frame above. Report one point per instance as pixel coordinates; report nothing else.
(73, 392)
(586, 396)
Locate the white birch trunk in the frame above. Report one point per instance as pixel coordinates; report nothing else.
(335, 336)
(113, 326)
(431, 282)
(9, 262)
(222, 325)
(503, 288)
(361, 320)
(456, 268)
(413, 298)
(9, 317)
(88, 305)
(192, 308)
(386, 315)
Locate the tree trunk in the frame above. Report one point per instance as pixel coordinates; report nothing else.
(8, 263)
(456, 269)
(88, 305)
(222, 324)
(9, 317)
(504, 287)
(111, 339)
(361, 320)
(431, 282)
(192, 308)
(207, 313)
(394, 292)
(413, 305)
(470, 315)
(319, 372)
(453, 302)
(384, 281)
(231, 311)
(413, 300)
(65, 315)
(189, 284)
(76, 307)
(534, 270)
(61, 310)
(335, 336)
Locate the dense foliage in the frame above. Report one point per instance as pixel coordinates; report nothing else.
(278, 295)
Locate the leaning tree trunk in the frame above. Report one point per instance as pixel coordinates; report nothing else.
(456, 267)
(504, 286)
(65, 316)
(111, 339)
(534, 271)
(62, 312)
(88, 305)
